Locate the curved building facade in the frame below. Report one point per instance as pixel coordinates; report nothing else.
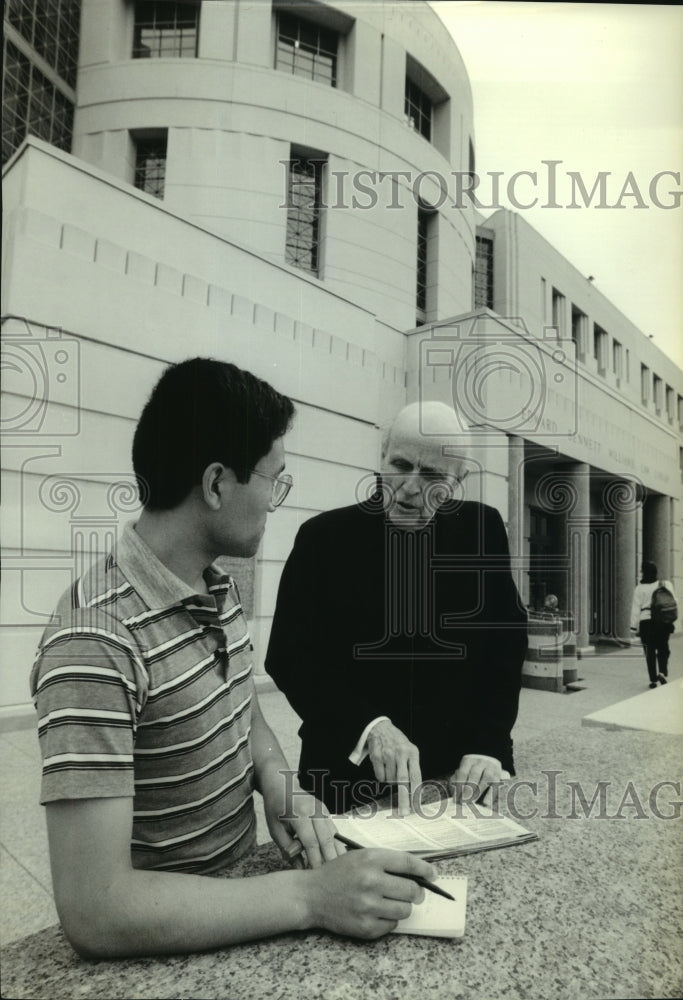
(370, 101)
(257, 182)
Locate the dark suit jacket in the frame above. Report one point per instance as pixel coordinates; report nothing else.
(424, 626)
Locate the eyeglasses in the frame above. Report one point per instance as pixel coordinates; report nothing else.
(281, 486)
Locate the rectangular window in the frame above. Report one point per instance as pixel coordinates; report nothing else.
(579, 326)
(418, 109)
(426, 249)
(305, 49)
(670, 404)
(483, 273)
(628, 365)
(644, 384)
(422, 245)
(679, 406)
(617, 360)
(658, 393)
(32, 105)
(150, 164)
(559, 311)
(51, 28)
(304, 198)
(600, 348)
(165, 30)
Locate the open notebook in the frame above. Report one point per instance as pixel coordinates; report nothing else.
(437, 916)
(437, 831)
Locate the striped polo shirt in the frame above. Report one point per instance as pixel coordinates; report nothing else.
(143, 688)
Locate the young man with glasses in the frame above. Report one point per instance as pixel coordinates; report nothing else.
(150, 729)
(399, 634)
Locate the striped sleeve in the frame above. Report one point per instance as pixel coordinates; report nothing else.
(88, 685)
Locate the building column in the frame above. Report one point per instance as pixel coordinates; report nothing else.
(578, 529)
(657, 533)
(516, 494)
(624, 505)
(515, 519)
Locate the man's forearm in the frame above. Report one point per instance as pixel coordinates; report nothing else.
(108, 908)
(269, 760)
(151, 912)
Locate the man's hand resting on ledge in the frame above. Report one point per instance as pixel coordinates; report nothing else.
(476, 777)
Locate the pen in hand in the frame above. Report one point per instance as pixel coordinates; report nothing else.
(295, 853)
(415, 878)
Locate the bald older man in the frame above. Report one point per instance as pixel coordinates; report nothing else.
(399, 635)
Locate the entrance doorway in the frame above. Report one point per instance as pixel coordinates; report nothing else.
(547, 574)
(603, 592)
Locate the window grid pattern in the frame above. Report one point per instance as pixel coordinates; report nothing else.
(617, 360)
(579, 321)
(32, 105)
(658, 393)
(150, 165)
(51, 28)
(305, 49)
(418, 109)
(558, 311)
(165, 30)
(483, 273)
(600, 348)
(304, 196)
(422, 249)
(670, 404)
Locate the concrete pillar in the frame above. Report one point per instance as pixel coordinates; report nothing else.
(578, 528)
(362, 62)
(657, 533)
(515, 518)
(393, 77)
(254, 35)
(106, 33)
(515, 494)
(218, 30)
(624, 505)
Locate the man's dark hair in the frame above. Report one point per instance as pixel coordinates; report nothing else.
(204, 411)
(648, 572)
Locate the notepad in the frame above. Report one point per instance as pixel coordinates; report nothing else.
(437, 831)
(437, 916)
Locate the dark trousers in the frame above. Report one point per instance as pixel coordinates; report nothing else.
(655, 640)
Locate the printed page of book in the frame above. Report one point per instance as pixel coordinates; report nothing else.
(434, 828)
(437, 916)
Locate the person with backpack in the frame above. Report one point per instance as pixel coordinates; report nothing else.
(653, 613)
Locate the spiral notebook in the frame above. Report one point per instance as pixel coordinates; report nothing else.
(437, 916)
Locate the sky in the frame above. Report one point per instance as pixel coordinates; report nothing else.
(600, 88)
